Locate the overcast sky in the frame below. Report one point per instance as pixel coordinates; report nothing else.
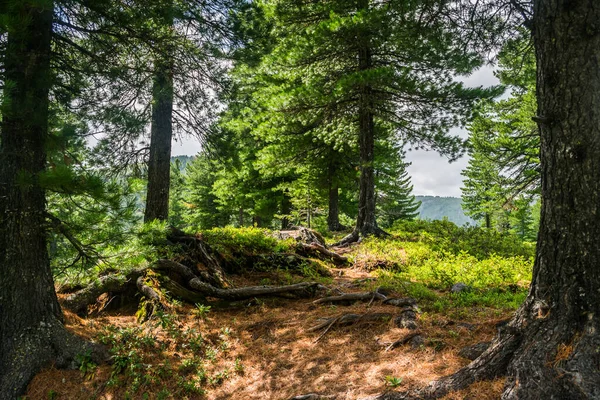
(431, 174)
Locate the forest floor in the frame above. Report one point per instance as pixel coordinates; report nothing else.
(264, 350)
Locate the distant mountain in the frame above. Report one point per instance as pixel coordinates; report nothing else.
(183, 161)
(435, 207)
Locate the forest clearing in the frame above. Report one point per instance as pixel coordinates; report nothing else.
(282, 256)
(268, 347)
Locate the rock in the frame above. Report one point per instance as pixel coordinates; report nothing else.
(460, 287)
(417, 342)
(407, 320)
(474, 351)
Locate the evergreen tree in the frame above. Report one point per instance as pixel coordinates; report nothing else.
(347, 72)
(31, 322)
(504, 165)
(393, 188)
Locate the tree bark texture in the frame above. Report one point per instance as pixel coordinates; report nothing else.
(31, 331)
(559, 357)
(161, 131)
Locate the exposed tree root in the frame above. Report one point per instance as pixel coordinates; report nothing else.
(198, 251)
(193, 287)
(49, 343)
(355, 236)
(304, 289)
(403, 340)
(317, 249)
(78, 301)
(351, 297)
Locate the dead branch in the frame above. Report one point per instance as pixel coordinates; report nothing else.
(316, 249)
(403, 340)
(351, 297)
(303, 289)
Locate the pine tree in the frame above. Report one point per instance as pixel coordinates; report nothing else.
(349, 72)
(504, 165)
(395, 200)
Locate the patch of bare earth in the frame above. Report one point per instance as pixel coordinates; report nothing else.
(281, 359)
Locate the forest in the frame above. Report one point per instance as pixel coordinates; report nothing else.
(289, 258)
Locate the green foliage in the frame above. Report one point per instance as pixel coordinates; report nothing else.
(393, 188)
(86, 365)
(424, 259)
(502, 180)
(201, 311)
(447, 237)
(393, 381)
(245, 241)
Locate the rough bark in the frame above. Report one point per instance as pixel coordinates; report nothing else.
(32, 335)
(161, 133)
(366, 223)
(550, 348)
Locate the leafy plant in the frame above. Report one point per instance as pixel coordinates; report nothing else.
(393, 381)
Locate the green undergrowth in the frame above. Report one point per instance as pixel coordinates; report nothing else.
(167, 357)
(232, 242)
(424, 259)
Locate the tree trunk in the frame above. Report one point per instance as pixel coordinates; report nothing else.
(488, 221)
(333, 213)
(31, 332)
(551, 348)
(286, 209)
(366, 223)
(161, 131)
(559, 357)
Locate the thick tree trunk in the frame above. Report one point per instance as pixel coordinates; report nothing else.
(551, 348)
(161, 131)
(559, 357)
(31, 331)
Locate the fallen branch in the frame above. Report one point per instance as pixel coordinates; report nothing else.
(317, 248)
(303, 289)
(403, 341)
(351, 297)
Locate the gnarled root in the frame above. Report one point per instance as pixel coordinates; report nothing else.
(39, 347)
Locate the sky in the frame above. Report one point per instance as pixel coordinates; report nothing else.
(431, 175)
